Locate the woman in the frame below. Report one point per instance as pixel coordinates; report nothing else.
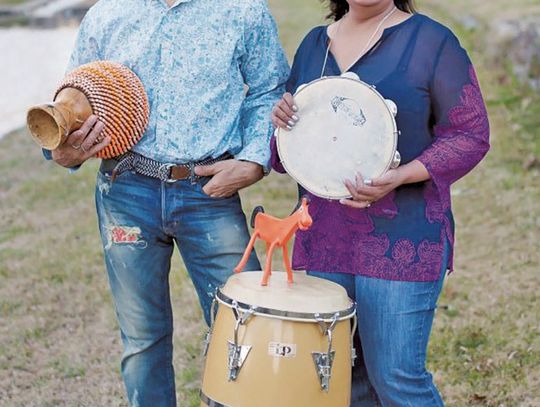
(391, 244)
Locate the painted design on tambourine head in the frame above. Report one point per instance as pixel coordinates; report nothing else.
(350, 109)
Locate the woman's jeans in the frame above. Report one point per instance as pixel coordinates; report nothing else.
(140, 219)
(394, 325)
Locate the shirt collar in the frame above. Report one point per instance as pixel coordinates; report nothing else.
(176, 3)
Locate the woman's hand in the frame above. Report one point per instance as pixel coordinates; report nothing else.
(284, 114)
(365, 192)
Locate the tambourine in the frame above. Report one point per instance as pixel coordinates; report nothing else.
(107, 89)
(346, 127)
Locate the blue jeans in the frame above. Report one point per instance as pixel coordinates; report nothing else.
(140, 219)
(394, 325)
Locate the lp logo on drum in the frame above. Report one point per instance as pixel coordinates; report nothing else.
(282, 350)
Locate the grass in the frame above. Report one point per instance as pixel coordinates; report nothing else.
(485, 11)
(485, 349)
(12, 2)
(59, 343)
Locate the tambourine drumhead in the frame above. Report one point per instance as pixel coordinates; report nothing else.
(346, 127)
(307, 294)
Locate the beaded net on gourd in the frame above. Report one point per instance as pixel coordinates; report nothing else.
(117, 97)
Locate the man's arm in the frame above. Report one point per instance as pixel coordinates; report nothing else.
(87, 141)
(265, 70)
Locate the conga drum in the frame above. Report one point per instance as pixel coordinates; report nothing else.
(286, 345)
(346, 127)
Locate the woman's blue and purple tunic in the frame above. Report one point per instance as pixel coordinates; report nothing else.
(420, 65)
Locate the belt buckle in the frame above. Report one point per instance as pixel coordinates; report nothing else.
(165, 173)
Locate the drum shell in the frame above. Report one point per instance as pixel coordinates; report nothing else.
(267, 380)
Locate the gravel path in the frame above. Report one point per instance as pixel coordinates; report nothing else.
(50, 9)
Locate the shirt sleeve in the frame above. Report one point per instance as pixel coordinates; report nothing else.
(265, 70)
(86, 50)
(461, 127)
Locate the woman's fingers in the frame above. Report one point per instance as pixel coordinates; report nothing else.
(284, 113)
(288, 109)
(359, 179)
(281, 124)
(359, 200)
(279, 121)
(352, 190)
(362, 193)
(355, 204)
(282, 118)
(289, 99)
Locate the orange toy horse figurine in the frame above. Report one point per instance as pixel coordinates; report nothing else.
(276, 233)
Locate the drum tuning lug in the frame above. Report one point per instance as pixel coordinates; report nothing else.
(323, 364)
(351, 75)
(392, 107)
(354, 355)
(206, 343)
(396, 161)
(238, 353)
(208, 336)
(327, 327)
(213, 309)
(237, 356)
(324, 361)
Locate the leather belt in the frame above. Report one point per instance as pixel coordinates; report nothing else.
(167, 172)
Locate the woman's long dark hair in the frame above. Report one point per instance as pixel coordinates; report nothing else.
(338, 8)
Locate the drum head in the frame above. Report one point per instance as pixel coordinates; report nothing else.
(346, 127)
(307, 294)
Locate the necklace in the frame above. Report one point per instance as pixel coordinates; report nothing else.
(368, 44)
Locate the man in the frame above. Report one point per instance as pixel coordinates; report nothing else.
(195, 58)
